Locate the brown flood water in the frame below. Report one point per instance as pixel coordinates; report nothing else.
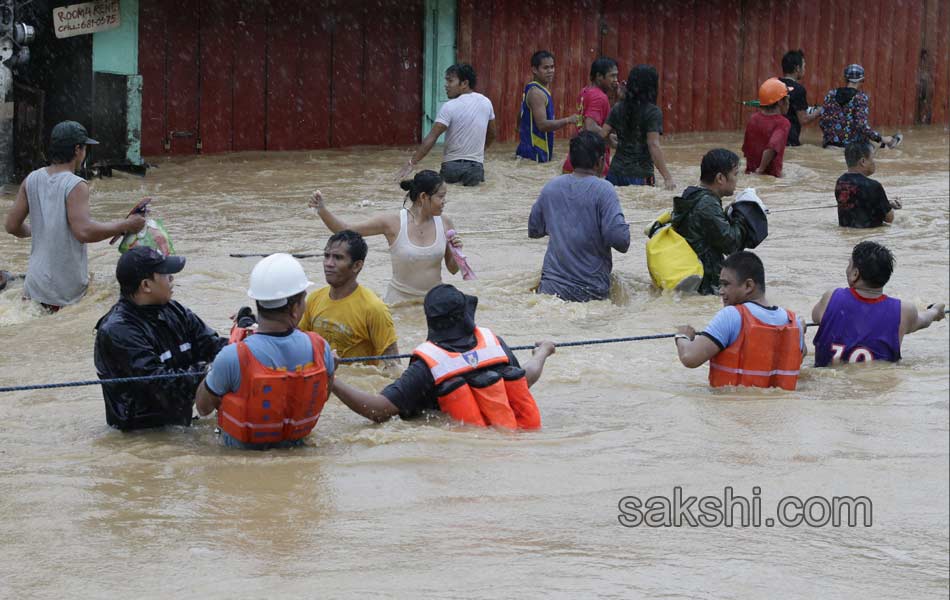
(412, 509)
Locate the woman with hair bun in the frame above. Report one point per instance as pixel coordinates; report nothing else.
(416, 236)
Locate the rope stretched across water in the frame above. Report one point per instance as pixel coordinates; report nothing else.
(355, 359)
(197, 374)
(524, 228)
(645, 221)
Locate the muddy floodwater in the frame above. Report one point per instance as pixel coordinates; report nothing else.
(430, 509)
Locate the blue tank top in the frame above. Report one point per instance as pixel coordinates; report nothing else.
(533, 143)
(855, 329)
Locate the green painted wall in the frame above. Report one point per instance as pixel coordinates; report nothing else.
(134, 120)
(440, 24)
(117, 50)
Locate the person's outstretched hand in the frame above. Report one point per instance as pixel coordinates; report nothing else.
(546, 348)
(941, 311)
(404, 171)
(316, 200)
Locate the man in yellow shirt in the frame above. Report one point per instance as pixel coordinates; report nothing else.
(350, 317)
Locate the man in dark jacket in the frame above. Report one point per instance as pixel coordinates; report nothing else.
(147, 333)
(698, 216)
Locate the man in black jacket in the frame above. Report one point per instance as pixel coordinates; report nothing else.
(698, 216)
(147, 333)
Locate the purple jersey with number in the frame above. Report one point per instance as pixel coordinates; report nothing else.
(857, 329)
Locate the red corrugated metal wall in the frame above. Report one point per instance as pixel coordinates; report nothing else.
(279, 74)
(935, 60)
(884, 36)
(711, 55)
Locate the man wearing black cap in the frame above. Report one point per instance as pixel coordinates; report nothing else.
(148, 333)
(450, 316)
(57, 203)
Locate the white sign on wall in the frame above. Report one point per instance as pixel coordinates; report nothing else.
(88, 17)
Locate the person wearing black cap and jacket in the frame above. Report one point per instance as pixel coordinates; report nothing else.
(450, 317)
(56, 200)
(148, 333)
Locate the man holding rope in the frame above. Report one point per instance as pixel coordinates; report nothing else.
(148, 333)
(270, 389)
(748, 342)
(862, 201)
(463, 370)
(860, 323)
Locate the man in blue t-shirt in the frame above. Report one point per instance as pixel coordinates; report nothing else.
(742, 286)
(581, 214)
(277, 344)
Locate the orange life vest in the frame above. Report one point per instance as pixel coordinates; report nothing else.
(762, 356)
(274, 405)
(472, 392)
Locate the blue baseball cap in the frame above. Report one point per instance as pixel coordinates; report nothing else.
(140, 262)
(70, 133)
(854, 73)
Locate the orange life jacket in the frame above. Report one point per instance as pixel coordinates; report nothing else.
(762, 356)
(472, 392)
(274, 405)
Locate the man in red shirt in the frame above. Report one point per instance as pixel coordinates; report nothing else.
(593, 104)
(767, 131)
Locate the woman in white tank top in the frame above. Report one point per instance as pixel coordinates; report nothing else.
(416, 236)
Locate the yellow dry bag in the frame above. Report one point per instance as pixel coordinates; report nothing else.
(670, 258)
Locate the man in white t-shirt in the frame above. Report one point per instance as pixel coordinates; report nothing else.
(468, 121)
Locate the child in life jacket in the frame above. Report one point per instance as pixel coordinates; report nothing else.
(748, 342)
(463, 370)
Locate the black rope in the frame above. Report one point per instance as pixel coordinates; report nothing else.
(525, 347)
(140, 378)
(260, 254)
(46, 386)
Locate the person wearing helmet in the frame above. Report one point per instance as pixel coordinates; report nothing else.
(767, 131)
(462, 370)
(270, 388)
(148, 333)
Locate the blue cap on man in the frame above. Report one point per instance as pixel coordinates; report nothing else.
(854, 73)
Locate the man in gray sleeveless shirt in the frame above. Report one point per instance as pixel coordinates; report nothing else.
(57, 203)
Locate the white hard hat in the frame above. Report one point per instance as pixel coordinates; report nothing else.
(276, 278)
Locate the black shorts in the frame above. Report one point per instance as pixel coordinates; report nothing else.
(466, 172)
